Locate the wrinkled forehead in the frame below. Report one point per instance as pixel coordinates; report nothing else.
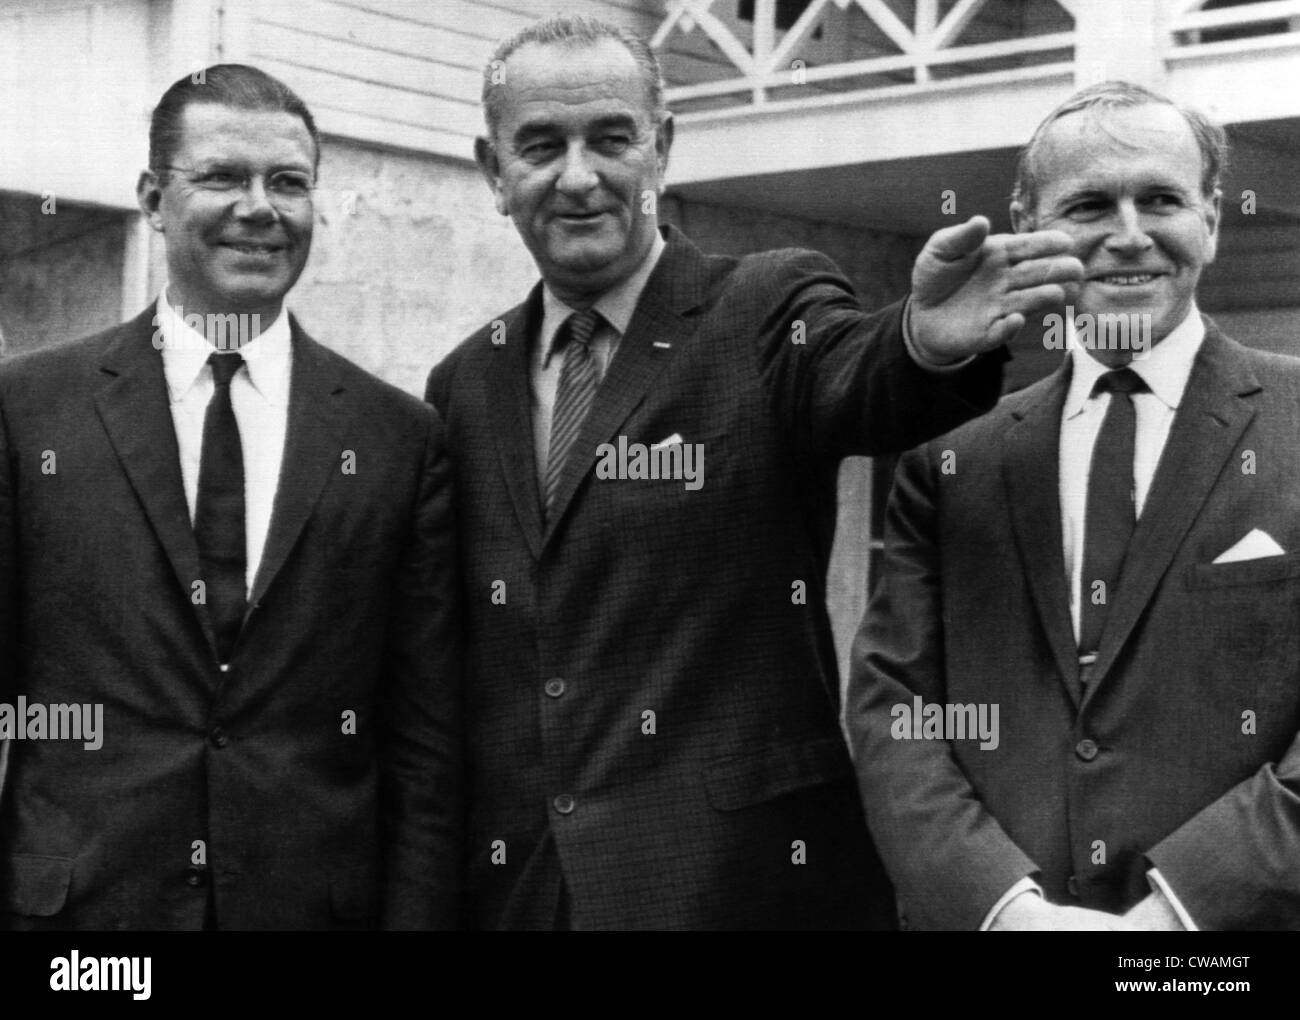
(1147, 126)
(1117, 142)
(217, 132)
(572, 81)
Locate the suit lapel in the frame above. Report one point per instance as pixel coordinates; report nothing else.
(673, 290)
(1031, 473)
(1206, 429)
(510, 408)
(318, 415)
(136, 413)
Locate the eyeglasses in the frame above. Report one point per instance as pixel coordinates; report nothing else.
(284, 188)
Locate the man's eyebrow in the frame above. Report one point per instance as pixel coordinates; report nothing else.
(233, 163)
(1080, 192)
(532, 129)
(539, 127)
(614, 120)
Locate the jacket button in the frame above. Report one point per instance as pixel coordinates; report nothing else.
(1086, 749)
(1072, 886)
(564, 804)
(554, 687)
(195, 875)
(218, 737)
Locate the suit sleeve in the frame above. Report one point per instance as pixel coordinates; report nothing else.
(842, 380)
(421, 814)
(8, 568)
(948, 857)
(1236, 863)
(8, 586)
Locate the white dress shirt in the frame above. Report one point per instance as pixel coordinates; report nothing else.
(1165, 369)
(259, 394)
(616, 306)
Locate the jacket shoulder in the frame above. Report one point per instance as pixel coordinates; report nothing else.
(375, 393)
(60, 362)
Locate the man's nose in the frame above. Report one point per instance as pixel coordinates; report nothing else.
(577, 175)
(1128, 234)
(254, 202)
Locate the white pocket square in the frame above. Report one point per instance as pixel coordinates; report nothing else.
(672, 440)
(1255, 546)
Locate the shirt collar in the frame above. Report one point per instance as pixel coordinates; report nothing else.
(1165, 368)
(185, 352)
(616, 305)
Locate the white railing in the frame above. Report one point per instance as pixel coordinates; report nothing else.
(1268, 20)
(930, 48)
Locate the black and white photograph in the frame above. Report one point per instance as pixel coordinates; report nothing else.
(779, 466)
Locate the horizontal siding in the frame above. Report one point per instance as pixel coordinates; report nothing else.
(381, 33)
(353, 63)
(325, 92)
(75, 92)
(406, 74)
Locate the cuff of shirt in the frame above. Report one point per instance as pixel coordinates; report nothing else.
(1159, 885)
(1026, 884)
(919, 356)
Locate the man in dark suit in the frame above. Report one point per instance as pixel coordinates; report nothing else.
(236, 548)
(648, 496)
(1105, 571)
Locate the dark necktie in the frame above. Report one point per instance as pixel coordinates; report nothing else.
(574, 395)
(1111, 511)
(219, 513)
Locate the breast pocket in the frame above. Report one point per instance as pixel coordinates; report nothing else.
(1245, 626)
(643, 477)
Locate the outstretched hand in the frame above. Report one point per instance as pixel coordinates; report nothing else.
(972, 291)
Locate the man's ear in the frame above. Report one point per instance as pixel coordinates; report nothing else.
(1212, 213)
(1021, 221)
(663, 142)
(148, 193)
(485, 155)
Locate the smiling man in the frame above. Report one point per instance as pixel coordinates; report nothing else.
(652, 694)
(239, 545)
(1127, 528)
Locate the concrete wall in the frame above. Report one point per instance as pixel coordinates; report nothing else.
(879, 265)
(60, 271)
(409, 256)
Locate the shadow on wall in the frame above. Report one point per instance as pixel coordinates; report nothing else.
(60, 270)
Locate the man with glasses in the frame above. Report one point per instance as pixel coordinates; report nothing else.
(229, 553)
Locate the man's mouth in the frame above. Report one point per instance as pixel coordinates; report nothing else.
(247, 248)
(1125, 279)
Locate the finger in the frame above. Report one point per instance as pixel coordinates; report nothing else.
(1031, 299)
(951, 244)
(1036, 272)
(1036, 245)
(1005, 329)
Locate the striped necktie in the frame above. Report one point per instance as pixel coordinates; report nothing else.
(578, 382)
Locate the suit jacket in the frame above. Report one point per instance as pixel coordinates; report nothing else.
(1182, 751)
(652, 702)
(254, 782)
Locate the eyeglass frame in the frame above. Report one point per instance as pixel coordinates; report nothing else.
(195, 176)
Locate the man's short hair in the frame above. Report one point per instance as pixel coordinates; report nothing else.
(563, 30)
(1210, 138)
(237, 85)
